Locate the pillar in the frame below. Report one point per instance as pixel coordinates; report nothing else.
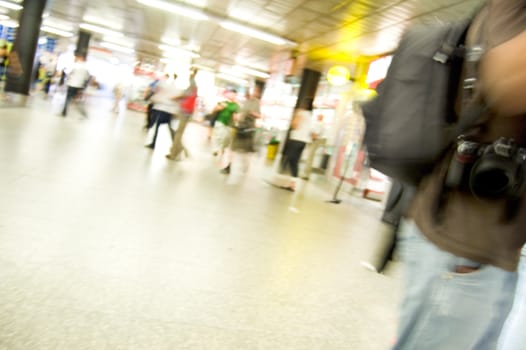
(25, 45)
(83, 44)
(308, 87)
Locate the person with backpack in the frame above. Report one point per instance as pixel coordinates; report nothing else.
(466, 225)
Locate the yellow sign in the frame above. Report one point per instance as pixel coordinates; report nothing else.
(338, 75)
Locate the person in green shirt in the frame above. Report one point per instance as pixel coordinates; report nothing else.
(222, 136)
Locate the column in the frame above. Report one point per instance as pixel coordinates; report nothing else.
(25, 46)
(308, 87)
(83, 44)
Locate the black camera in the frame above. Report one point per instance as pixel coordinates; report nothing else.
(493, 170)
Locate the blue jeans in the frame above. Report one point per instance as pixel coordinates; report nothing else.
(513, 335)
(444, 309)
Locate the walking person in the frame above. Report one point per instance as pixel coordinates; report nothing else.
(165, 107)
(462, 246)
(187, 102)
(222, 134)
(299, 135)
(77, 81)
(245, 128)
(318, 141)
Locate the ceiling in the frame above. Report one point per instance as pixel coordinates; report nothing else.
(326, 32)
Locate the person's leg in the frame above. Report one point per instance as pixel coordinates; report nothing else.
(295, 156)
(444, 308)
(513, 336)
(81, 101)
(177, 144)
(157, 121)
(69, 95)
(310, 159)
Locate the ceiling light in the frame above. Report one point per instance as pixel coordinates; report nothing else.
(97, 29)
(10, 23)
(232, 79)
(253, 72)
(102, 22)
(255, 33)
(232, 72)
(175, 8)
(173, 42)
(176, 51)
(116, 47)
(56, 31)
(10, 5)
(50, 22)
(3, 17)
(119, 41)
(200, 67)
(249, 64)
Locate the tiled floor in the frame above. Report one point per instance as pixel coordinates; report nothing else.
(105, 244)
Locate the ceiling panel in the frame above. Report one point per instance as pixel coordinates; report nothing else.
(325, 30)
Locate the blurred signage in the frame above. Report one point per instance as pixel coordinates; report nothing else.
(11, 34)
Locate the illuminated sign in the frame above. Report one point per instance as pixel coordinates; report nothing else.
(338, 75)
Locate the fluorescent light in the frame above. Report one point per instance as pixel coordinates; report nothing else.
(10, 5)
(11, 23)
(119, 41)
(249, 64)
(3, 17)
(255, 33)
(50, 22)
(102, 22)
(97, 29)
(116, 47)
(173, 42)
(233, 73)
(56, 31)
(200, 67)
(232, 79)
(175, 8)
(253, 72)
(176, 51)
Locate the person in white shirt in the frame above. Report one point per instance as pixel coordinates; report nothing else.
(300, 135)
(165, 106)
(76, 81)
(318, 140)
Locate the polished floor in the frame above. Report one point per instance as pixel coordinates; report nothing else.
(104, 244)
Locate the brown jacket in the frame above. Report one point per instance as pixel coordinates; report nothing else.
(463, 225)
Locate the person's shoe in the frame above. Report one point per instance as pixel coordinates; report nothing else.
(169, 156)
(287, 188)
(151, 146)
(225, 170)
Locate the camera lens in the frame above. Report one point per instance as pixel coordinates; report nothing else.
(490, 183)
(492, 176)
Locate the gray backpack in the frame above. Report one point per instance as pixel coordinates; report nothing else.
(412, 122)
